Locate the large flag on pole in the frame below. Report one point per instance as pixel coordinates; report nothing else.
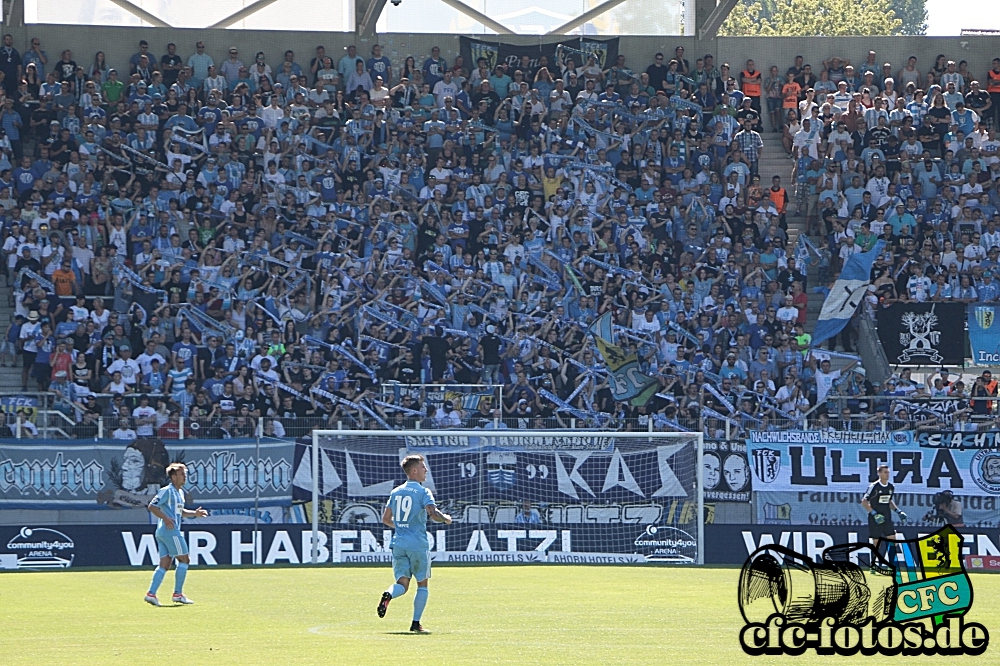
(627, 382)
(847, 294)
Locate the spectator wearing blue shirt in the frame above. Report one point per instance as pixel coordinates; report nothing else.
(184, 352)
(988, 290)
(209, 116)
(964, 118)
(181, 119)
(42, 165)
(24, 176)
(434, 67)
(140, 94)
(35, 55)
(528, 515)
(215, 386)
(10, 122)
(133, 62)
(609, 94)
(290, 58)
(346, 65)
(199, 63)
(379, 65)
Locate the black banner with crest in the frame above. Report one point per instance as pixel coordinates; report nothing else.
(605, 52)
(923, 333)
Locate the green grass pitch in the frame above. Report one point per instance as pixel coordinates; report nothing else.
(478, 615)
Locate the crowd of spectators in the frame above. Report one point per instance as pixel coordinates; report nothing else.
(224, 241)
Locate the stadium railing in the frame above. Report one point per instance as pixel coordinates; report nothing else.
(46, 415)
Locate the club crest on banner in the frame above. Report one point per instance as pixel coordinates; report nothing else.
(501, 470)
(985, 470)
(925, 333)
(766, 464)
(920, 338)
(495, 53)
(985, 317)
(597, 49)
(483, 50)
(984, 339)
(778, 514)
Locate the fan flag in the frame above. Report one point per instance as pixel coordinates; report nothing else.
(847, 294)
(627, 382)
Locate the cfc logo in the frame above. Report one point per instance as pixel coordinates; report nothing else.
(916, 604)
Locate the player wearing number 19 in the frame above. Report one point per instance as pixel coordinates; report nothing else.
(406, 512)
(168, 507)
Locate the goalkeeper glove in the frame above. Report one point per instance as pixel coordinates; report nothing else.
(901, 514)
(879, 518)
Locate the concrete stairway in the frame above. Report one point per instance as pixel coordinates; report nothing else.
(10, 378)
(776, 162)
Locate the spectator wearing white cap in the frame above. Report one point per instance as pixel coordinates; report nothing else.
(230, 68)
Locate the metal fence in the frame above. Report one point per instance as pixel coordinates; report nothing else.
(235, 427)
(45, 415)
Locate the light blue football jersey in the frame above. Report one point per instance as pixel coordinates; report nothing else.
(408, 504)
(170, 501)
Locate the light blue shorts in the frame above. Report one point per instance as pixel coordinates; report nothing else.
(414, 564)
(171, 544)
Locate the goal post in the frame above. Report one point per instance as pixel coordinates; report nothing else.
(555, 496)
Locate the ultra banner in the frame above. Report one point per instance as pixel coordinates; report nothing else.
(847, 462)
(61, 474)
(984, 333)
(923, 333)
(605, 51)
(818, 478)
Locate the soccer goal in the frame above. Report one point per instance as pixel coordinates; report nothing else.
(515, 495)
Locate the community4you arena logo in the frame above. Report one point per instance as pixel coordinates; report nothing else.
(916, 604)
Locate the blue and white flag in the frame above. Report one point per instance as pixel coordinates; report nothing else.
(802, 252)
(563, 405)
(846, 295)
(603, 328)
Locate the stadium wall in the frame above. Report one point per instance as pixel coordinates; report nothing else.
(119, 43)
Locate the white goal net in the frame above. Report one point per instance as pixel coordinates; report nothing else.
(514, 495)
